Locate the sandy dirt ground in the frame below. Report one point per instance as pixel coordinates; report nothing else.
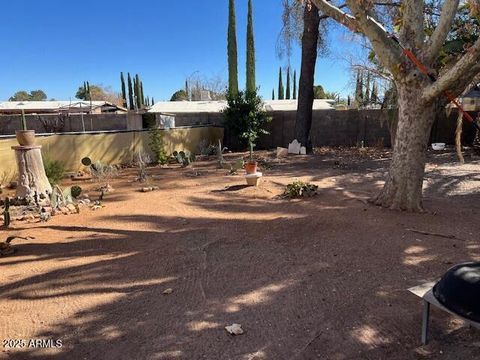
(318, 278)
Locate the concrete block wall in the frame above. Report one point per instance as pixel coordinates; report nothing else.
(329, 127)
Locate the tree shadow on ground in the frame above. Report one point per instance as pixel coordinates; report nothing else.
(322, 278)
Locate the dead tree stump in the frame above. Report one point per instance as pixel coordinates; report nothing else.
(31, 173)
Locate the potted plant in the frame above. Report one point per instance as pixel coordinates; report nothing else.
(251, 165)
(246, 118)
(25, 137)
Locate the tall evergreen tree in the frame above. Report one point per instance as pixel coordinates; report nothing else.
(142, 96)
(366, 100)
(138, 91)
(294, 84)
(251, 84)
(135, 93)
(88, 91)
(187, 89)
(281, 90)
(374, 95)
(124, 90)
(359, 89)
(130, 93)
(153, 101)
(287, 96)
(273, 94)
(232, 50)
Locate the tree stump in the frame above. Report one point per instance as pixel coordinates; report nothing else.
(31, 173)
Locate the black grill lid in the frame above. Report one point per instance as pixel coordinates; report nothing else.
(459, 290)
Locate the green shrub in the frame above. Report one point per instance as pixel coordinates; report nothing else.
(157, 146)
(245, 118)
(148, 120)
(180, 95)
(54, 169)
(300, 189)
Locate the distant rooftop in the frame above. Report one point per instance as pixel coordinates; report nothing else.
(475, 93)
(178, 107)
(53, 106)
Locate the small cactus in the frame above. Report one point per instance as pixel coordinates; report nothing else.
(75, 191)
(24, 121)
(6, 213)
(86, 161)
(184, 157)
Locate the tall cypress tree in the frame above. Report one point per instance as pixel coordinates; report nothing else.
(130, 93)
(232, 50)
(89, 95)
(251, 86)
(142, 97)
(273, 94)
(124, 90)
(359, 89)
(287, 96)
(138, 91)
(294, 84)
(281, 90)
(135, 93)
(153, 101)
(374, 95)
(366, 99)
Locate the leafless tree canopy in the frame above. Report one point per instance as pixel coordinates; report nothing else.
(292, 30)
(216, 85)
(53, 123)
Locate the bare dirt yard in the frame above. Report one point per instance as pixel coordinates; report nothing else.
(317, 278)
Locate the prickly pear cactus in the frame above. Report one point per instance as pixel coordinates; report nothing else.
(184, 158)
(75, 191)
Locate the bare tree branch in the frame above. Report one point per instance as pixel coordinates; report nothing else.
(323, 17)
(385, 48)
(462, 85)
(466, 68)
(399, 4)
(338, 15)
(373, 70)
(449, 10)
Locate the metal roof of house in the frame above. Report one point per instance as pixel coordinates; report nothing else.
(53, 105)
(178, 107)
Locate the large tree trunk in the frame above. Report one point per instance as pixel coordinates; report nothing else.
(403, 187)
(303, 122)
(31, 172)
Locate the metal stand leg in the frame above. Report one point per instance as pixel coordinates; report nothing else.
(425, 320)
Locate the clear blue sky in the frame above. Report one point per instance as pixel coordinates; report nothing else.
(55, 45)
